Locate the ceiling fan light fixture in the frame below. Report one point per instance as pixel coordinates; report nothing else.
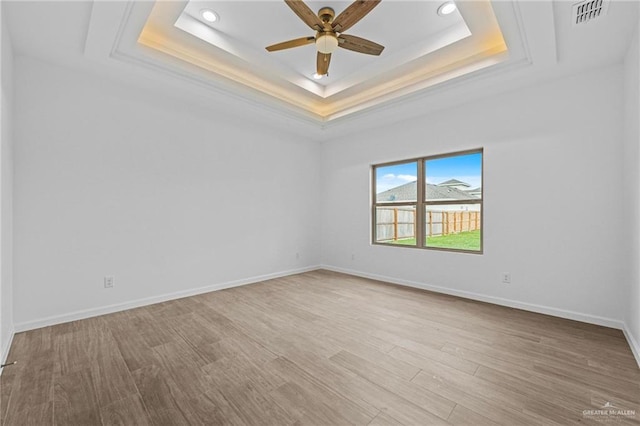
(327, 43)
(209, 15)
(317, 76)
(327, 29)
(447, 8)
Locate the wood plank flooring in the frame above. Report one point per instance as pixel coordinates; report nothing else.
(321, 348)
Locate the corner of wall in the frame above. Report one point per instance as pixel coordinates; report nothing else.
(6, 190)
(631, 184)
(633, 343)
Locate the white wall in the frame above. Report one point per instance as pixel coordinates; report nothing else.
(6, 191)
(631, 179)
(553, 198)
(166, 197)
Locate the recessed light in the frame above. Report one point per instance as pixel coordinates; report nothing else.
(447, 8)
(209, 15)
(317, 76)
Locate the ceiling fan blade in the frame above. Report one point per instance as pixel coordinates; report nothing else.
(307, 15)
(359, 44)
(302, 41)
(352, 14)
(322, 63)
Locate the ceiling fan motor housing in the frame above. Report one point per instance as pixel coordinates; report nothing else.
(326, 14)
(327, 40)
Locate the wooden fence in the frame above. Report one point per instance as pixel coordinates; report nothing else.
(397, 223)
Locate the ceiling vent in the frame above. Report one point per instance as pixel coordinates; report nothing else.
(589, 10)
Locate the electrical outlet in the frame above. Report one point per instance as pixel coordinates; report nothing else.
(108, 282)
(353, 256)
(506, 278)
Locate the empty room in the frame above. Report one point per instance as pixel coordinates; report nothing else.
(286, 212)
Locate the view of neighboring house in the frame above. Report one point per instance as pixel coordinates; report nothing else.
(397, 223)
(451, 189)
(455, 183)
(462, 186)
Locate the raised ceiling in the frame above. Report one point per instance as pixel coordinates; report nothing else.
(419, 47)
(422, 49)
(245, 31)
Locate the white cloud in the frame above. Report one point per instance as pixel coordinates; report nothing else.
(407, 178)
(389, 176)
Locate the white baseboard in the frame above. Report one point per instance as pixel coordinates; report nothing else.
(577, 316)
(633, 343)
(88, 313)
(5, 350)
(93, 312)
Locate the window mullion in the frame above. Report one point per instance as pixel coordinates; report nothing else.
(420, 205)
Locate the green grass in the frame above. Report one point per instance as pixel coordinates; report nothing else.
(462, 241)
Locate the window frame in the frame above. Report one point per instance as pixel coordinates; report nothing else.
(421, 202)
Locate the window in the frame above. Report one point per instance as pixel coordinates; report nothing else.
(441, 210)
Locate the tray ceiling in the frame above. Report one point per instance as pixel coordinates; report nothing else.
(422, 49)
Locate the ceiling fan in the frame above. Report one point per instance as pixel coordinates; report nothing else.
(329, 31)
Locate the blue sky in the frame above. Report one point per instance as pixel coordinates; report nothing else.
(467, 168)
(392, 176)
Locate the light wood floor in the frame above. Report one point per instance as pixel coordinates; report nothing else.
(320, 348)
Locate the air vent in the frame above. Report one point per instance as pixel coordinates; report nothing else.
(588, 11)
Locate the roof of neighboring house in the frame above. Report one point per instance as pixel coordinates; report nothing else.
(478, 189)
(453, 182)
(408, 191)
(439, 192)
